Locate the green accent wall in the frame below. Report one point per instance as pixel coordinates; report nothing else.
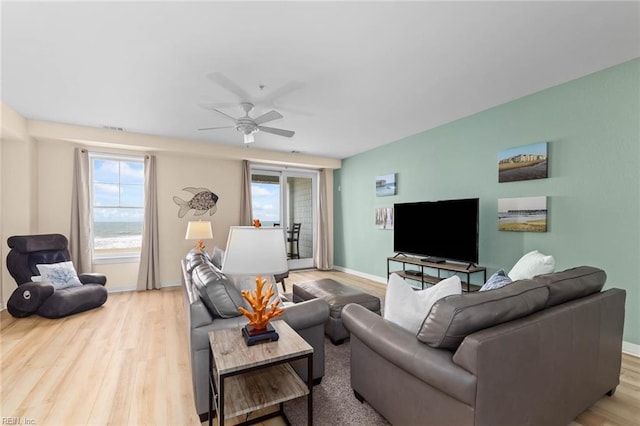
(592, 125)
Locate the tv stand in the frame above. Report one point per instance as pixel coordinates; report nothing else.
(433, 259)
(433, 273)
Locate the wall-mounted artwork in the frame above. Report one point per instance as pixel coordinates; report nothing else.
(386, 185)
(528, 214)
(202, 201)
(523, 163)
(384, 218)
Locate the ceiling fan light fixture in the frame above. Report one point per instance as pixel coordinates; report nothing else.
(248, 138)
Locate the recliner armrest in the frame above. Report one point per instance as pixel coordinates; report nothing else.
(93, 278)
(306, 314)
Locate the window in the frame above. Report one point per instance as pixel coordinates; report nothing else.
(117, 205)
(265, 197)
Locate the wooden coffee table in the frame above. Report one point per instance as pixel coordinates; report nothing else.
(248, 378)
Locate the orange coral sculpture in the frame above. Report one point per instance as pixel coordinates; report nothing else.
(260, 316)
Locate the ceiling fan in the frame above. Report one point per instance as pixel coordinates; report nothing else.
(247, 125)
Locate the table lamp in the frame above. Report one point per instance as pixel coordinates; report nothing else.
(200, 230)
(256, 251)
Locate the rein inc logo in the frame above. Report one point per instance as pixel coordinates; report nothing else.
(18, 421)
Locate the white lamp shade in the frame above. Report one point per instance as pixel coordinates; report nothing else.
(255, 251)
(200, 230)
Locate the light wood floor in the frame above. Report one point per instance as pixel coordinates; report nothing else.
(127, 364)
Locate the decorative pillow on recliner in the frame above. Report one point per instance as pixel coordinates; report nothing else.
(453, 318)
(218, 293)
(61, 275)
(407, 307)
(532, 264)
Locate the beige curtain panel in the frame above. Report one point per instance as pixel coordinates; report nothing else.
(321, 258)
(246, 214)
(80, 235)
(149, 270)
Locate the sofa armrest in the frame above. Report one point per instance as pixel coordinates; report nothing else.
(93, 278)
(401, 348)
(306, 314)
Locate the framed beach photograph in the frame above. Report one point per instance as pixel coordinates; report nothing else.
(384, 218)
(526, 214)
(386, 185)
(523, 163)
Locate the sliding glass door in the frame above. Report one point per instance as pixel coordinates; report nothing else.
(288, 199)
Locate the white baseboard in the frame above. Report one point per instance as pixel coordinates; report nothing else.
(121, 289)
(630, 349)
(361, 274)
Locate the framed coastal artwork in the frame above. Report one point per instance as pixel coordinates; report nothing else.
(523, 163)
(525, 214)
(384, 218)
(386, 185)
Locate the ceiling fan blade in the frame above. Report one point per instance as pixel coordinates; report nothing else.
(292, 86)
(232, 87)
(214, 105)
(208, 107)
(281, 132)
(268, 116)
(214, 128)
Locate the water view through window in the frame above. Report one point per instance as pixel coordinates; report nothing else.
(118, 205)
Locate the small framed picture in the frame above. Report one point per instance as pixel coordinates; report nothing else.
(523, 163)
(386, 185)
(525, 214)
(384, 218)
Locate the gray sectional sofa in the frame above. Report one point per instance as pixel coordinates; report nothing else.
(535, 352)
(210, 303)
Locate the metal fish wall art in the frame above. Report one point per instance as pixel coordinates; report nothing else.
(203, 200)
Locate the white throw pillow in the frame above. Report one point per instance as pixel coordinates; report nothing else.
(61, 275)
(408, 308)
(36, 278)
(532, 264)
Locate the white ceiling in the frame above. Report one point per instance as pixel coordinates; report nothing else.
(358, 74)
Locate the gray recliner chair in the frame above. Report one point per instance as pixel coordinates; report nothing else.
(28, 251)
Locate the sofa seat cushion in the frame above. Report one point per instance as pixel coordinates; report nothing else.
(218, 293)
(453, 318)
(572, 284)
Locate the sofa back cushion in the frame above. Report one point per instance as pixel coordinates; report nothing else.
(218, 293)
(196, 257)
(453, 318)
(572, 284)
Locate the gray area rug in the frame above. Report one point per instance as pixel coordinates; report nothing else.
(333, 399)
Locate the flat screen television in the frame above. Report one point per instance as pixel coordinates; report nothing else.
(437, 230)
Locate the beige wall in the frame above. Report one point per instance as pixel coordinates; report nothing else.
(18, 188)
(35, 186)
